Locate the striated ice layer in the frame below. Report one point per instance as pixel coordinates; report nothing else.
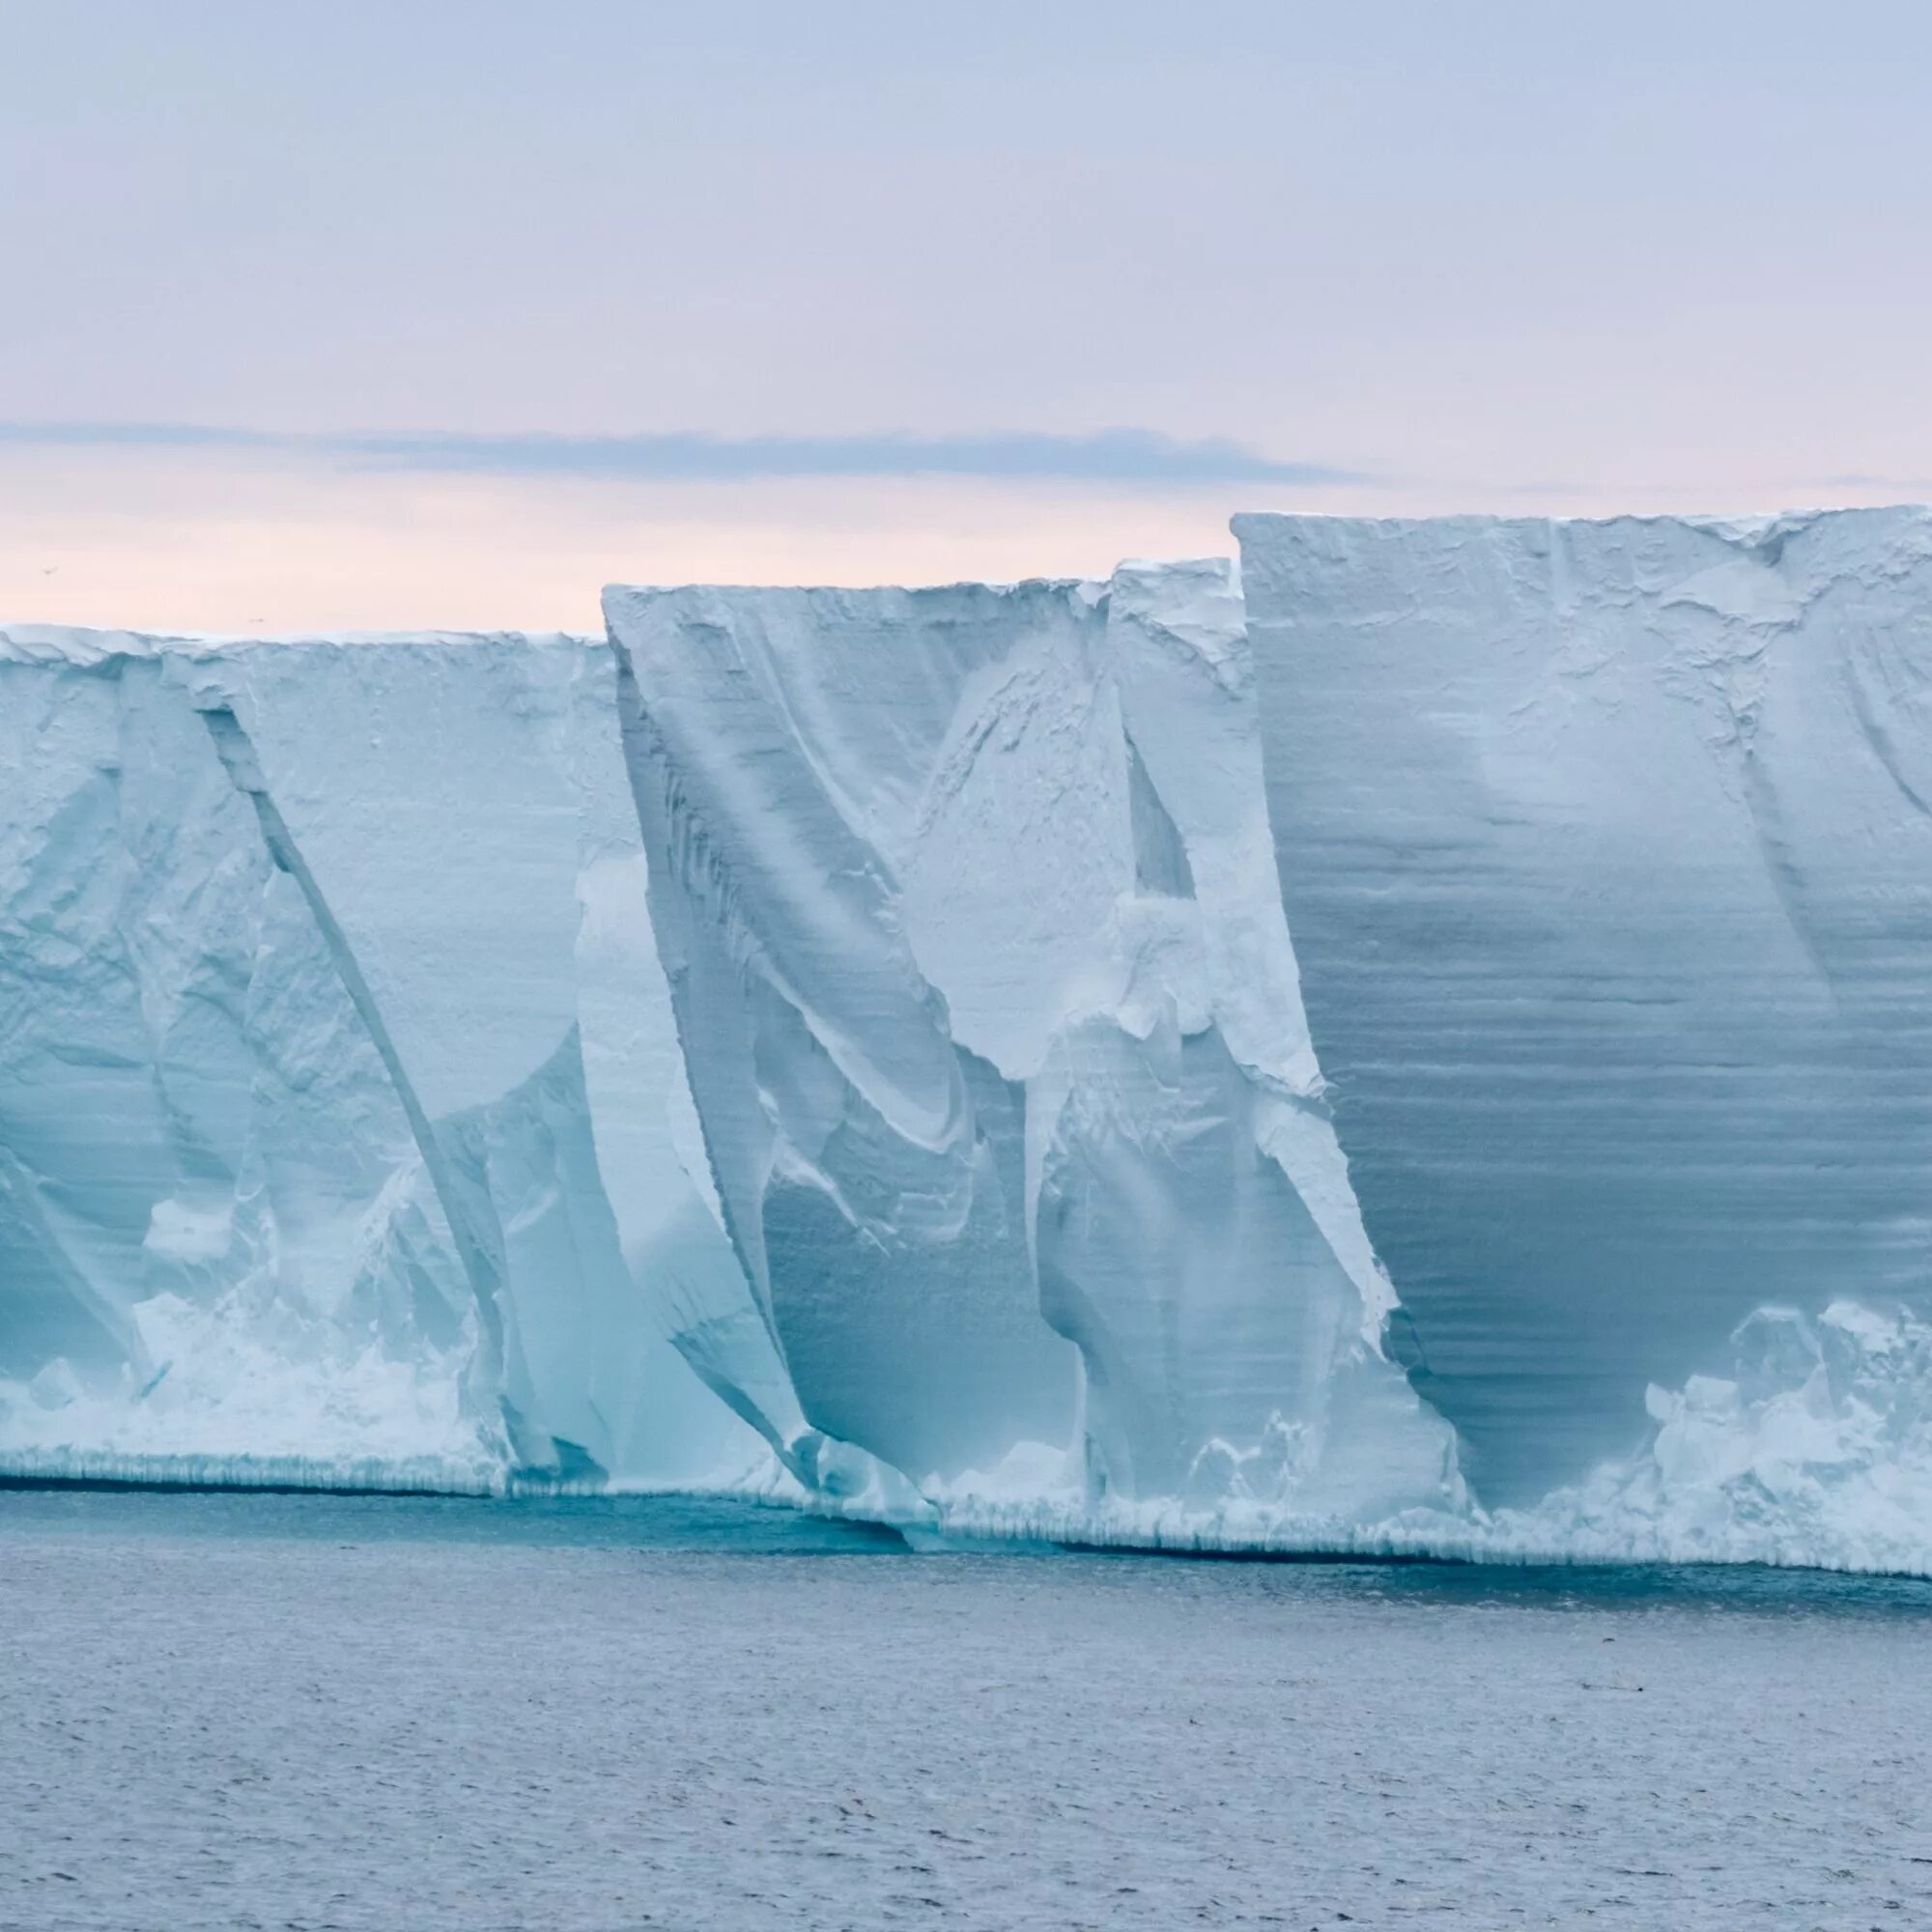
(967, 901)
(314, 959)
(1607, 852)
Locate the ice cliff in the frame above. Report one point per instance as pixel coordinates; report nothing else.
(1607, 852)
(852, 1041)
(314, 958)
(966, 901)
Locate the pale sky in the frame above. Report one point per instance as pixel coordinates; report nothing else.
(448, 311)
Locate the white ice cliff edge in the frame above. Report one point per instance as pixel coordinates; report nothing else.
(1607, 852)
(966, 897)
(337, 1074)
(852, 1043)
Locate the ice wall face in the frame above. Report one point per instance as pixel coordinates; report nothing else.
(864, 1027)
(313, 959)
(1196, 1232)
(871, 1168)
(1607, 852)
(967, 902)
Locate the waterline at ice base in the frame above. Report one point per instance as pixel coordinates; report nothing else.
(1417, 1041)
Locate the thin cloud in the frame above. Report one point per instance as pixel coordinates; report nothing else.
(1109, 456)
(1858, 481)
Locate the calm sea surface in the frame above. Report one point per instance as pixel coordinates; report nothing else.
(228, 1711)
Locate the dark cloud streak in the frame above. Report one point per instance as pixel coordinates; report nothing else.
(1136, 456)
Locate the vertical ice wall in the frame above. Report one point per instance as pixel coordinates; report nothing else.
(967, 902)
(1195, 1230)
(1607, 852)
(871, 1165)
(344, 1025)
(313, 959)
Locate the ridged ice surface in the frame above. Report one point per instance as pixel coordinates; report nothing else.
(1607, 852)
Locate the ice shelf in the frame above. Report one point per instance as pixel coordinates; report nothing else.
(851, 1045)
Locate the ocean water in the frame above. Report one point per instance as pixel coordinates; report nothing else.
(260, 1711)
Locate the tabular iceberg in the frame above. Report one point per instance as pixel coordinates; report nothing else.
(852, 1043)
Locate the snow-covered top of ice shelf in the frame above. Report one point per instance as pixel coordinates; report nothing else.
(83, 647)
(1761, 570)
(1741, 526)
